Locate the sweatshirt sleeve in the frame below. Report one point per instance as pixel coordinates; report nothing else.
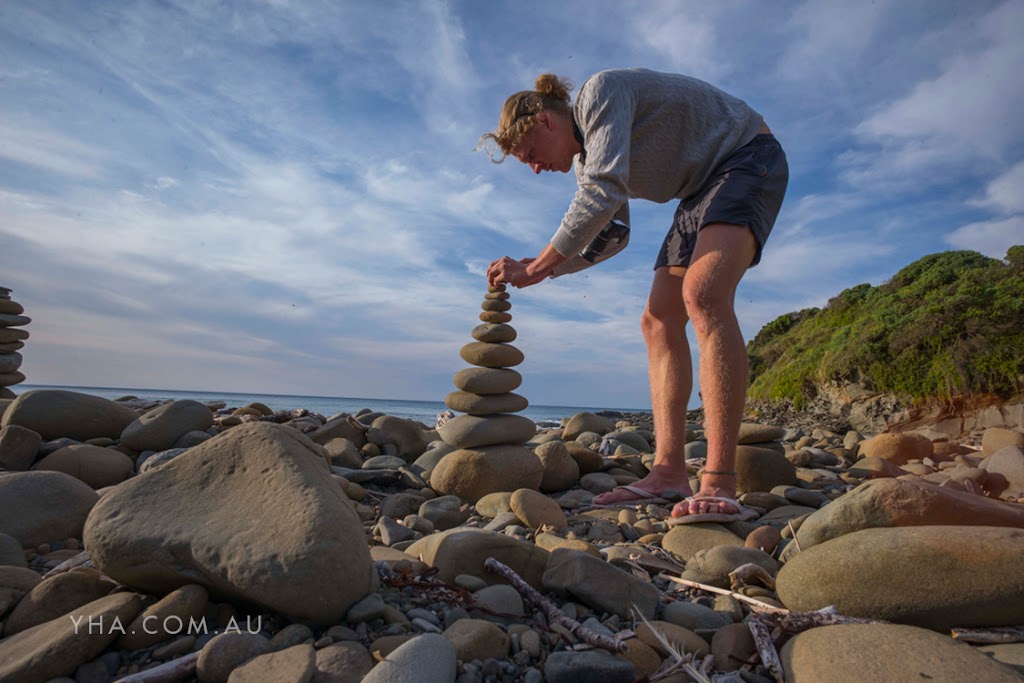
(604, 114)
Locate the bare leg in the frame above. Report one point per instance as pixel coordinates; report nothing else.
(722, 255)
(668, 352)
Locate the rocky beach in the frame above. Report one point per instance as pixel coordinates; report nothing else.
(180, 541)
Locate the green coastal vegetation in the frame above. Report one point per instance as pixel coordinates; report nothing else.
(948, 325)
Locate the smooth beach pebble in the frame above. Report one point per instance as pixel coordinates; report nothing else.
(494, 332)
(495, 317)
(466, 402)
(495, 305)
(483, 354)
(487, 380)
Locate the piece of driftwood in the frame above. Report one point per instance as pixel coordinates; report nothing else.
(754, 603)
(766, 648)
(997, 634)
(746, 574)
(551, 611)
(79, 560)
(170, 672)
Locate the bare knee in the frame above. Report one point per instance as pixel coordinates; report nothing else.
(663, 325)
(707, 305)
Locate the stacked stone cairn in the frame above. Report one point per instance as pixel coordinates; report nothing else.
(11, 339)
(489, 438)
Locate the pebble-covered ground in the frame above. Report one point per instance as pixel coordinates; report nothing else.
(184, 541)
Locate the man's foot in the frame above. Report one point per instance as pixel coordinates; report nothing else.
(696, 509)
(717, 497)
(654, 488)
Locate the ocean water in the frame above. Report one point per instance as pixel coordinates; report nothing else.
(424, 411)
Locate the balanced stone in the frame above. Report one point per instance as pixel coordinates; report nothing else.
(483, 354)
(14, 308)
(486, 316)
(494, 333)
(9, 378)
(8, 320)
(469, 431)
(474, 404)
(495, 305)
(491, 295)
(8, 334)
(487, 380)
(495, 288)
(9, 362)
(9, 347)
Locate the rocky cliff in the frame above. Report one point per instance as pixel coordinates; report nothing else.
(939, 346)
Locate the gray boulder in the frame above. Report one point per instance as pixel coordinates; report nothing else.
(252, 515)
(42, 507)
(931, 576)
(853, 653)
(160, 428)
(53, 413)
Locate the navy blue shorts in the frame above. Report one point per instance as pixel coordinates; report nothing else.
(747, 189)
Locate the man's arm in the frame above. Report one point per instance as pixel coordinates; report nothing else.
(527, 271)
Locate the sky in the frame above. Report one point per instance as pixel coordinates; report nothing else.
(285, 197)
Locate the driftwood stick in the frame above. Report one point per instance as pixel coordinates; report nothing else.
(174, 670)
(79, 560)
(998, 634)
(766, 648)
(551, 611)
(757, 605)
(795, 622)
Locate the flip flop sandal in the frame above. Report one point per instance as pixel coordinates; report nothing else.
(643, 498)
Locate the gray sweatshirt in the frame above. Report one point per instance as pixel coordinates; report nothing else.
(647, 135)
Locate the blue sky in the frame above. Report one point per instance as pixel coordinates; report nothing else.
(284, 197)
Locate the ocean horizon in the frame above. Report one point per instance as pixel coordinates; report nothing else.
(423, 411)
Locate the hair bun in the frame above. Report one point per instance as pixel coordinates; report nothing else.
(554, 87)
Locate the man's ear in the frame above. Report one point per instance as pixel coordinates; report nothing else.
(544, 119)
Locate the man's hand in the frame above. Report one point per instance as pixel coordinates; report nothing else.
(516, 273)
(524, 272)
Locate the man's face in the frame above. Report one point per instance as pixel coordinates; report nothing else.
(548, 147)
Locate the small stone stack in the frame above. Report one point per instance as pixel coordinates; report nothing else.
(11, 339)
(489, 436)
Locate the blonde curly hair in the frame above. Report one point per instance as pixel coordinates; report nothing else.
(519, 114)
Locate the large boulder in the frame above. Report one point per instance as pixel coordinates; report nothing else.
(586, 422)
(42, 507)
(160, 428)
(53, 413)
(58, 647)
(560, 470)
(57, 596)
(18, 448)
(464, 551)
(751, 433)
(853, 653)
(426, 658)
(96, 466)
(252, 515)
(599, 584)
(1005, 470)
(897, 448)
(904, 502)
(471, 474)
(997, 438)
(406, 435)
(930, 576)
(762, 469)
